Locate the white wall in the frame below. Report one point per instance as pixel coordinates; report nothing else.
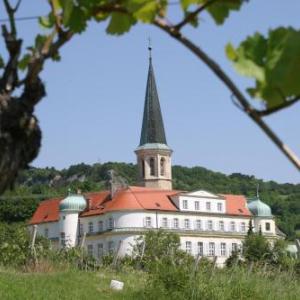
(68, 224)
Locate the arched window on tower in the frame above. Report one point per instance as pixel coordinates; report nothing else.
(162, 166)
(152, 166)
(143, 168)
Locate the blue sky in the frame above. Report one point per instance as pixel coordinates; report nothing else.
(95, 95)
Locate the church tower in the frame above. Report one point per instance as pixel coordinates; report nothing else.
(153, 153)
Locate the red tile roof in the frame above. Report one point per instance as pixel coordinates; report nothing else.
(132, 198)
(236, 205)
(47, 211)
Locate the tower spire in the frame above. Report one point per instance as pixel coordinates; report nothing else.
(150, 48)
(153, 128)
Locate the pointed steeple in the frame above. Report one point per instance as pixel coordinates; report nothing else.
(153, 128)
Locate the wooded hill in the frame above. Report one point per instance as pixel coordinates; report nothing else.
(37, 184)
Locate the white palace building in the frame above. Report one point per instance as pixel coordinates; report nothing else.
(208, 224)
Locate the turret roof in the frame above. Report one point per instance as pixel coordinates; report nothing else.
(153, 128)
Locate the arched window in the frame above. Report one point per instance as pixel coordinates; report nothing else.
(152, 166)
(143, 168)
(162, 166)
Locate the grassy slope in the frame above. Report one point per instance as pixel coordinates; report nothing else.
(95, 285)
(73, 285)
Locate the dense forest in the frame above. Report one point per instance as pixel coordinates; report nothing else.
(36, 184)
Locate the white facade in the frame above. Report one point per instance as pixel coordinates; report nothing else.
(204, 227)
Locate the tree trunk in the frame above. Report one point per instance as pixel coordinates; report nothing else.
(20, 135)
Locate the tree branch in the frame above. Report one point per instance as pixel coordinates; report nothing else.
(193, 14)
(252, 113)
(13, 45)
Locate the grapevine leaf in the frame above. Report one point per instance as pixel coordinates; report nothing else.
(23, 63)
(273, 62)
(143, 10)
(221, 9)
(120, 23)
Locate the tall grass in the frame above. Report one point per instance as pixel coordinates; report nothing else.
(236, 283)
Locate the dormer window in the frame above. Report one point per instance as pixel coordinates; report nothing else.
(152, 166)
(208, 206)
(220, 207)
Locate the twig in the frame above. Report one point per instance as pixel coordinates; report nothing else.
(193, 15)
(272, 110)
(251, 112)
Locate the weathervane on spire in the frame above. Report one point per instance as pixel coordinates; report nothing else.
(149, 47)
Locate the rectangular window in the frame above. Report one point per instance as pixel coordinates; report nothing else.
(148, 222)
(198, 224)
(164, 222)
(110, 223)
(99, 250)
(186, 223)
(220, 207)
(91, 227)
(175, 223)
(63, 239)
(211, 249)
(197, 206)
(209, 225)
(243, 227)
(234, 247)
(185, 204)
(111, 247)
(200, 248)
(80, 229)
(223, 249)
(232, 226)
(100, 226)
(221, 225)
(268, 226)
(46, 233)
(188, 247)
(208, 206)
(90, 250)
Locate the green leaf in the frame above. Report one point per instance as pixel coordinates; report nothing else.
(221, 9)
(143, 10)
(40, 41)
(23, 63)
(185, 4)
(47, 21)
(120, 23)
(78, 20)
(273, 62)
(67, 6)
(230, 52)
